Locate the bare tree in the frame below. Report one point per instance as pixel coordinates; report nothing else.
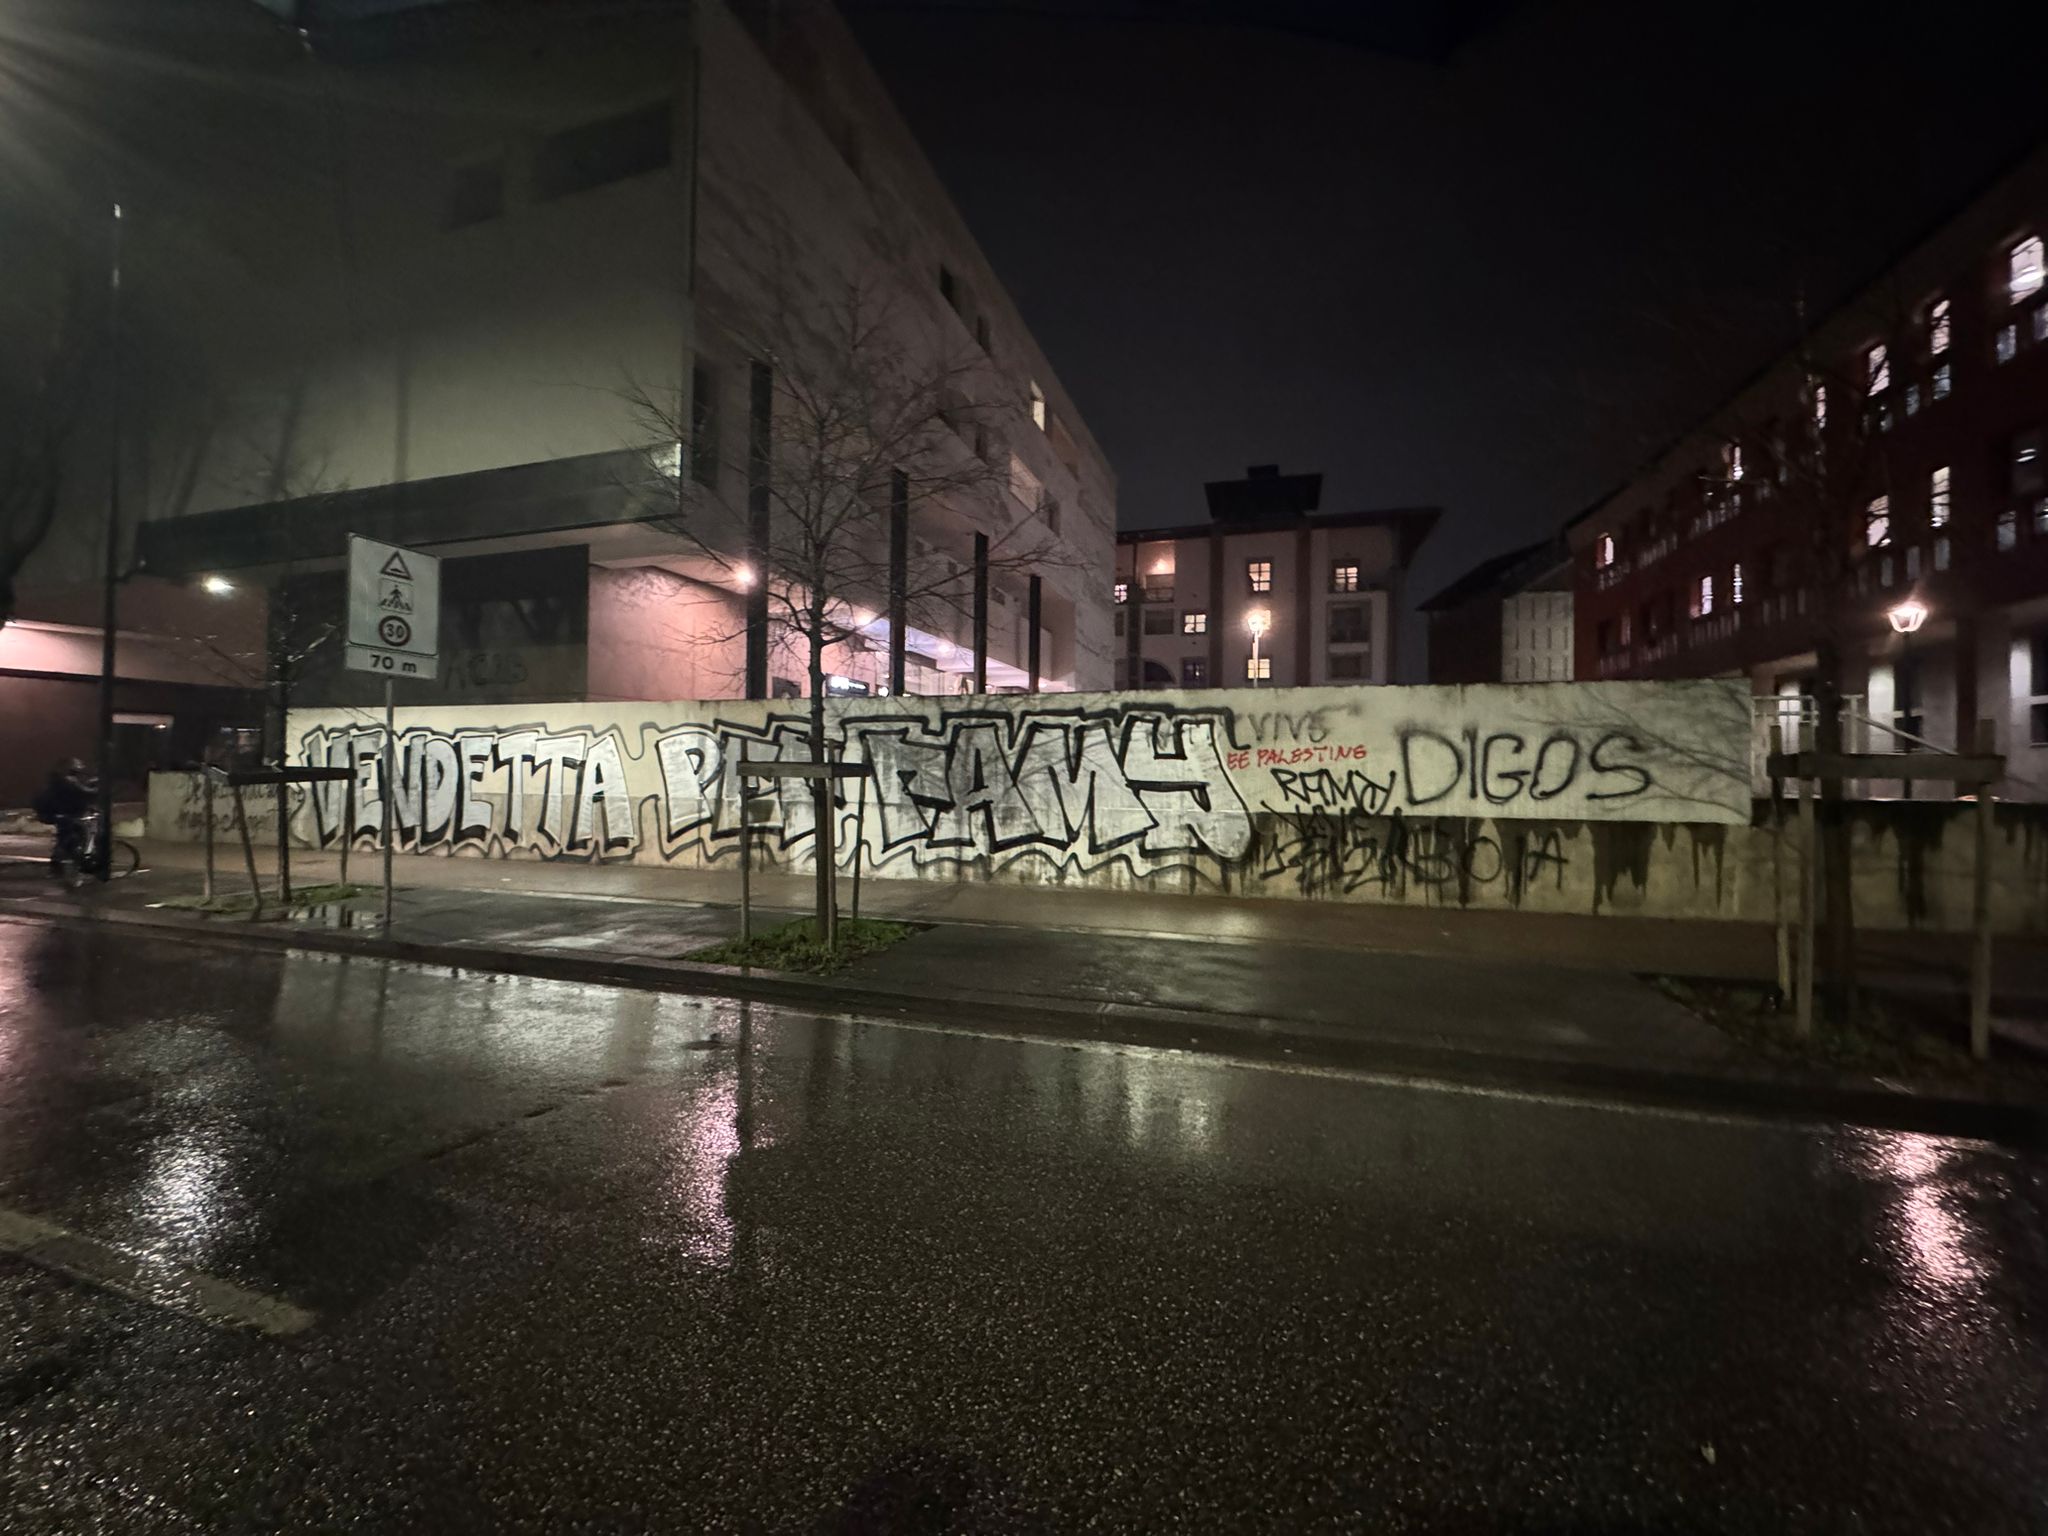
(36, 429)
(865, 417)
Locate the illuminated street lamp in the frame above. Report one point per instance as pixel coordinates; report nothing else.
(1258, 621)
(1908, 616)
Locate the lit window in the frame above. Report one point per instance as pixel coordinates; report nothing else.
(2023, 268)
(1731, 460)
(1943, 381)
(1937, 498)
(2008, 529)
(1259, 573)
(2041, 515)
(1258, 669)
(1024, 485)
(1344, 577)
(1194, 623)
(1603, 551)
(2008, 342)
(1820, 405)
(1937, 328)
(1877, 522)
(1704, 603)
(1123, 591)
(1877, 364)
(1912, 399)
(1735, 585)
(1037, 406)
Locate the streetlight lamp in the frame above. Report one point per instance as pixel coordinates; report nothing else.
(1906, 618)
(1257, 621)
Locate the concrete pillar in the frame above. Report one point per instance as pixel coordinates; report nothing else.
(760, 416)
(981, 613)
(1033, 615)
(899, 577)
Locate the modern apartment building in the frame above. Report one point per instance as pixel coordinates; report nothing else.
(493, 281)
(1507, 620)
(1270, 592)
(1880, 493)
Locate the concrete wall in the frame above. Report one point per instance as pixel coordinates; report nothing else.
(1330, 794)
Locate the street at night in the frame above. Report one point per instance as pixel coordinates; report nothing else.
(570, 1257)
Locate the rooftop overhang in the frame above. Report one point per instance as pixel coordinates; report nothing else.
(556, 501)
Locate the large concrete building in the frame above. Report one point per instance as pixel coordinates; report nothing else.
(531, 287)
(1880, 493)
(1270, 592)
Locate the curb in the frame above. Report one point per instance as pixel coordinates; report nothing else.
(1779, 1094)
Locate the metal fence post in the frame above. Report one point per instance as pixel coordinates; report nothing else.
(206, 780)
(1809, 900)
(1780, 919)
(860, 840)
(1980, 910)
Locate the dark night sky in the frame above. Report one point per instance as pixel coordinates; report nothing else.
(1494, 282)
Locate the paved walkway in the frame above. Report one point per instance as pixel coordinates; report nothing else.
(1532, 985)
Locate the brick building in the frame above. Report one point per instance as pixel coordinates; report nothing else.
(1890, 470)
(1322, 590)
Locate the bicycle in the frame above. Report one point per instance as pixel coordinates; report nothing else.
(78, 861)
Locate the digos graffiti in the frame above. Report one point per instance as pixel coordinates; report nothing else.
(1322, 795)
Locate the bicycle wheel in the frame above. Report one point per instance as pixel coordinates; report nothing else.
(125, 859)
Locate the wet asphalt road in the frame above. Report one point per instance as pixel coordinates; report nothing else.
(589, 1260)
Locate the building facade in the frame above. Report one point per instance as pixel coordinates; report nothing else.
(1870, 513)
(503, 283)
(1269, 592)
(1507, 620)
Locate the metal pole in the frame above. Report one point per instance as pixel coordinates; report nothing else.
(828, 816)
(1980, 911)
(110, 575)
(390, 791)
(746, 857)
(206, 779)
(348, 809)
(248, 854)
(1778, 915)
(860, 841)
(1809, 900)
(284, 839)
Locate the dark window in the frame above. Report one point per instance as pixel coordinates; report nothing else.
(1348, 624)
(1119, 621)
(1259, 573)
(1603, 634)
(703, 425)
(1194, 672)
(785, 688)
(949, 287)
(1906, 698)
(1347, 666)
(1050, 507)
(593, 154)
(1158, 621)
(981, 334)
(476, 192)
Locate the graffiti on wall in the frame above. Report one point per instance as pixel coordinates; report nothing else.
(1347, 789)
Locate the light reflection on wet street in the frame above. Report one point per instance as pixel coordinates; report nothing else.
(595, 1259)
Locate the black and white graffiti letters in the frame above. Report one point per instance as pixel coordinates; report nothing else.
(1325, 788)
(516, 788)
(1494, 769)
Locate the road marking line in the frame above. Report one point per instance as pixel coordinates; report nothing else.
(139, 1277)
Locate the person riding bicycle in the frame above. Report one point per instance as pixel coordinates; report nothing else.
(65, 802)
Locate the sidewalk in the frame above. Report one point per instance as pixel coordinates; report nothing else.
(1494, 998)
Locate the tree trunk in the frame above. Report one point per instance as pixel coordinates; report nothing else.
(1838, 916)
(821, 789)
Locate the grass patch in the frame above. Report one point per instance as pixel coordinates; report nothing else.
(795, 947)
(233, 903)
(1892, 1038)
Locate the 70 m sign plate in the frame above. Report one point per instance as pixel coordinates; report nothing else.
(371, 658)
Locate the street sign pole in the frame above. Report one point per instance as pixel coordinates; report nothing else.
(390, 789)
(394, 631)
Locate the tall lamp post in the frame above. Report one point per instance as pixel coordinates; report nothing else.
(110, 567)
(1905, 619)
(1258, 621)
